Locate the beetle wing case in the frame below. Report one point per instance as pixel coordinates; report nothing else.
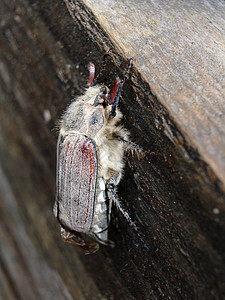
(77, 175)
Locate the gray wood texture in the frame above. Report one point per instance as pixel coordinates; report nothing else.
(173, 104)
(178, 48)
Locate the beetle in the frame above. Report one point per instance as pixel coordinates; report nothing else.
(90, 153)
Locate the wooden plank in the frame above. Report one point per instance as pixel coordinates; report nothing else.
(175, 197)
(179, 50)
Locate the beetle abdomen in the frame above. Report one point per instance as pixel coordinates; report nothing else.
(101, 216)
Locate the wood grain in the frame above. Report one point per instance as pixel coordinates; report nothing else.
(172, 105)
(179, 48)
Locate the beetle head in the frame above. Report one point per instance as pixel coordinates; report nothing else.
(104, 97)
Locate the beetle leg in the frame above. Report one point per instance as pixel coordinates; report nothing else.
(106, 243)
(120, 89)
(132, 147)
(125, 213)
(139, 151)
(75, 238)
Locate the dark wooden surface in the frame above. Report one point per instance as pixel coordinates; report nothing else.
(179, 50)
(172, 104)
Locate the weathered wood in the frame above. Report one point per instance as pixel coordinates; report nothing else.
(172, 104)
(179, 50)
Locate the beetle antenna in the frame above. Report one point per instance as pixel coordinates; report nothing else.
(91, 68)
(120, 89)
(114, 90)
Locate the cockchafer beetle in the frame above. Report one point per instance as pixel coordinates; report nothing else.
(90, 152)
